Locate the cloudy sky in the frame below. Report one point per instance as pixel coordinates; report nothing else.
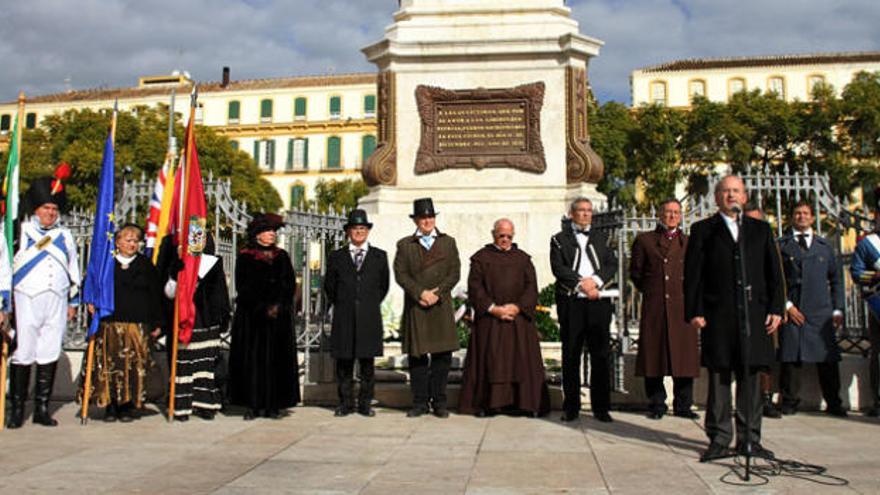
(50, 45)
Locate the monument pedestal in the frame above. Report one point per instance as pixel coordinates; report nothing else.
(482, 107)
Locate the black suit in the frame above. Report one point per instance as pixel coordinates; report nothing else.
(356, 331)
(583, 320)
(712, 286)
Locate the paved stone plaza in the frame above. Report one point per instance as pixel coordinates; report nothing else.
(312, 452)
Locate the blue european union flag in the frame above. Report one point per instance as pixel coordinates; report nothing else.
(99, 273)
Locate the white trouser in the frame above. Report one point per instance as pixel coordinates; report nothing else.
(40, 322)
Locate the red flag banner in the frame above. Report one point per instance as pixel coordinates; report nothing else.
(192, 236)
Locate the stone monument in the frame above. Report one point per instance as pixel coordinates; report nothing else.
(482, 106)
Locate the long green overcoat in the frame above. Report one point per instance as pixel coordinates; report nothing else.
(432, 329)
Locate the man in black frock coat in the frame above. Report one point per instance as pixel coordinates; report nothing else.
(714, 304)
(356, 283)
(583, 264)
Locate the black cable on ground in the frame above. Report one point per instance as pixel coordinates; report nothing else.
(762, 470)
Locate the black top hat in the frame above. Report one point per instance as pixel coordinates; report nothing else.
(357, 217)
(423, 207)
(42, 191)
(264, 222)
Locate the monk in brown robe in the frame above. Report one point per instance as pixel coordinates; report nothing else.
(504, 371)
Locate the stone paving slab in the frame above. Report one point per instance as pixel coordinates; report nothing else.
(310, 451)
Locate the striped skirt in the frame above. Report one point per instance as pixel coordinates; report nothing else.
(194, 384)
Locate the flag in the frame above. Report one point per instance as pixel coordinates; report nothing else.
(10, 190)
(99, 273)
(192, 235)
(160, 208)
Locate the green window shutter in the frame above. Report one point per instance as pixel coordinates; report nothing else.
(234, 144)
(370, 104)
(234, 110)
(266, 109)
(335, 105)
(5, 122)
(333, 152)
(306, 153)
(299, 107)
(297, 196)
(368, 145)
(290, 154)
(257, 152)
(270, 150)
(30, 121)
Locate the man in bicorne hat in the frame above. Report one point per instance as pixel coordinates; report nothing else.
(427, 267)
(865, 271)
(46, 280)
(356, 283)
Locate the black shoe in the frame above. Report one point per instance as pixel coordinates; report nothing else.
(655, 415)
(757, 451)
(873, 412)
(183, 418)
(417, 411)
(770, 410)
(341, 411)
(441, 411)
(713, 452)
(366, 411)
(206, 414)
(19, 381)
(484, 413)
(45, 381)
(836, 411)
(789, 410)
(603, 416)
(688, 414)
(274, 414)
(110, 414)
(249, 415)
(569, 416)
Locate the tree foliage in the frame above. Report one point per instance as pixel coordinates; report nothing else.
(338, 196)
(77, 137)
(660, 147)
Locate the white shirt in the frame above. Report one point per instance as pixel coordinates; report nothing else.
(585, 267)
(732, 226)
(352, 250)
(808, 236)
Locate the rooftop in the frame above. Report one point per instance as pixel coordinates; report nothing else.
(765, 61)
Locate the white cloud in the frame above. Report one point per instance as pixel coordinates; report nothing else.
(112, 42)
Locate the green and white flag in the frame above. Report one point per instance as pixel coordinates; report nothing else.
(10, 189)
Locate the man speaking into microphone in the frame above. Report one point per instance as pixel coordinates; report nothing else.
(715, 302)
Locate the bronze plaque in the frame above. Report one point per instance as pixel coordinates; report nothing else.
(481, 128)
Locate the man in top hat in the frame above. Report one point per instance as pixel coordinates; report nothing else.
(865, 271)
(46, 280)
(427, 267)
(356, 283)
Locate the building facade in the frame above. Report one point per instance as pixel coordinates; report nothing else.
(298, 129)
(792, 77)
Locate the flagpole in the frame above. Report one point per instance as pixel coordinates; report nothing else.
(4, 352)
(184, 197)
(90, 356)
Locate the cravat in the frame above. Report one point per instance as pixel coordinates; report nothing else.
(358, 258)
(802, 241)
(427, 241)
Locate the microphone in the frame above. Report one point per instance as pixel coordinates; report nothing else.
(737, 210)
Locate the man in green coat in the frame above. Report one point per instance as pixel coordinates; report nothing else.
(427, 267)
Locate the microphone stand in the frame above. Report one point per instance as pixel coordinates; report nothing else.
(745, 343)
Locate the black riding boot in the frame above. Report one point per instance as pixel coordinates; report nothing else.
(45, 381)
(19, 381)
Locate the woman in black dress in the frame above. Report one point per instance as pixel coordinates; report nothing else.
(264, 373)
(122, 363)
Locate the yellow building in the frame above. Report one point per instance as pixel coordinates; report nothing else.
(792, 77)
(298, 129)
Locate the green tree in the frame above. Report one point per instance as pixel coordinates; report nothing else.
(77, 137)
(655, 150)
(610, 128)
(861, 126)
(338, 196)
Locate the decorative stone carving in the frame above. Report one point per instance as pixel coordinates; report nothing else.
(480, 128)
(582, 163)
(380, 168)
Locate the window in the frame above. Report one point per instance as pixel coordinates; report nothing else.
(370, 106)
(736, 85)
(266, 111)
(234, 144)
(200, 113)
(658, 92)
(5, 122)
(264, 154)
(234, 112)
(368, 145)
(297, 197)
(334, 152)
(335, 107)
(776, 84)
(812, 82)
(30, 120)
(696, 88)
(299, 108)
(298, 154)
